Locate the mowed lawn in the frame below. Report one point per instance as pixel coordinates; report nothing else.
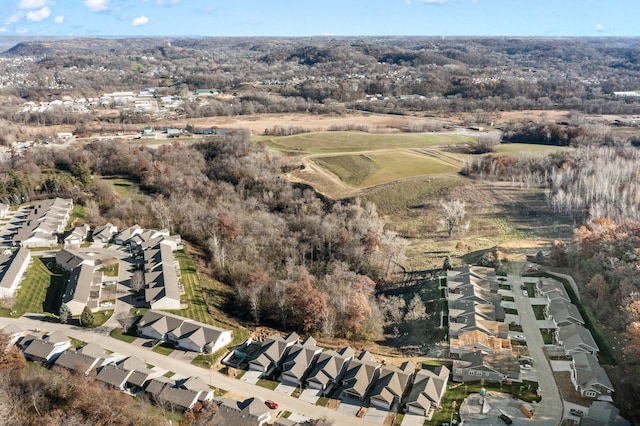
(195, 285)
(121, 185)
(41, 289)
(363, 171)
(327, 142)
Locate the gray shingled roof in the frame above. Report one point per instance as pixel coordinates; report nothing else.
(77, 361)
(113, 376)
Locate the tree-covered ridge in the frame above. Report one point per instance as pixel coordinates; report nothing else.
(294, 260)
(312, 74)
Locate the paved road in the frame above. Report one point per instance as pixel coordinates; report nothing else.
(101, 336)
(549, 410)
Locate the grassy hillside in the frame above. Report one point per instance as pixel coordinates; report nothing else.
(366, 170)
(340, 142)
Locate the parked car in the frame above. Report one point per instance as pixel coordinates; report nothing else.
(519, 337)
(505, 419)
(525, 293)
(526, 366)
(502, 279)
(523, 287)
(576, 412)
(271, 404)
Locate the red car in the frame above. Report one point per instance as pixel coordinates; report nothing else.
(271, 404)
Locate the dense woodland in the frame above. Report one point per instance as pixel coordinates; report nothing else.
(295, 261)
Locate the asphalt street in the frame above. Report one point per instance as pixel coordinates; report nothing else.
(549, 410)
(214, 378)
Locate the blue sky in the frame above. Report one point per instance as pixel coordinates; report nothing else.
(320, 17)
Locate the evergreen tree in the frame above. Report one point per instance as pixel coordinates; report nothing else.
(64, 314)
(447, 263)
(87, 319)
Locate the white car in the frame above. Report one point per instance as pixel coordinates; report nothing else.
(519, 337)
(525, 293)
(526, 366)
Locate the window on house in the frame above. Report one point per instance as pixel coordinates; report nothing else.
(486, 374)
(472, 373)
(458, 370)
(590, 394)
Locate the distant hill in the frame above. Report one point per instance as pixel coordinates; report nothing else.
(53, 45)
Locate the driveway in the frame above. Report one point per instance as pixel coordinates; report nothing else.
(285, 389)
(349, 407)
(376, 415)
(251, 376)
(186, 356)
(549, 410)
(561, 365)
(413, 420)
(310, 395)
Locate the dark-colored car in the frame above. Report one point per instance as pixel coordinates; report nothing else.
(502, 279)
(523, 287)
(271, 404)
(505, 419)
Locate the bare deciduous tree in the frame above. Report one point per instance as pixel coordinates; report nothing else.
(416, 310)
(137, 280)
(452, 214)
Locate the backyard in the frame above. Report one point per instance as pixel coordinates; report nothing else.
(41, 289)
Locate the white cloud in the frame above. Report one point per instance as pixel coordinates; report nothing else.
(3, 29)
(433, 1)
(59, 19)
(599, 27)
(168, 2)
(16, 17)
(32, 4)
(97, 5)
(39, 15)
(22, 30)
(139, 21)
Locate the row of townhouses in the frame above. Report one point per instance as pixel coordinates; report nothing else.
(302, 363)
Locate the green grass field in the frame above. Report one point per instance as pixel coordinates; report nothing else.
(121, 185)
(41, 289)
(373, 169)
(327, 142)
(195, 286)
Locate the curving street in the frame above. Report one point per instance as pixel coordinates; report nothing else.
(183, 368)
